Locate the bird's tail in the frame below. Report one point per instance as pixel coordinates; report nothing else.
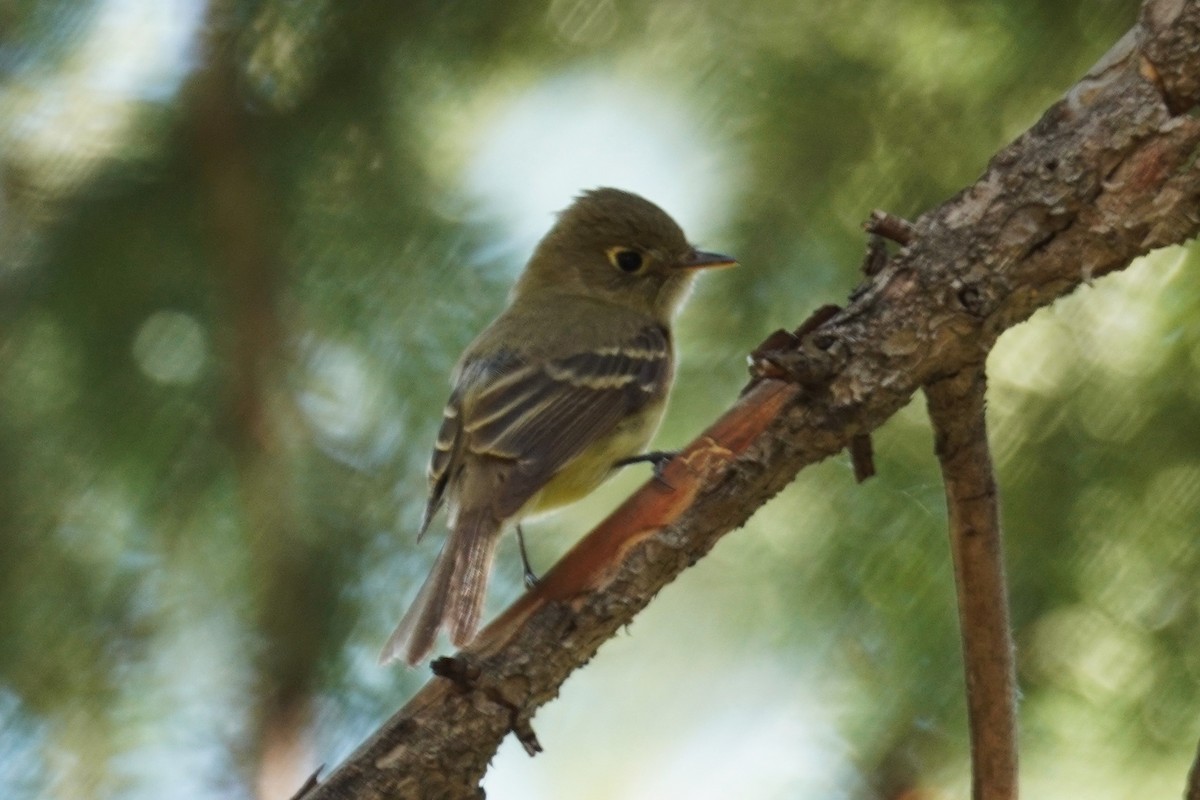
(453, 593)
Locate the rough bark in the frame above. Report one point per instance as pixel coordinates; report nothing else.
(1108, 174)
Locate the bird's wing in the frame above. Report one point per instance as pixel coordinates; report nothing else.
(447, 452)
(542, 414)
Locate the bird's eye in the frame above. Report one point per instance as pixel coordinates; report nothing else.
(625, 259)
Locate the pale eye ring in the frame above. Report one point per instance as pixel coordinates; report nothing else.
(626, 259)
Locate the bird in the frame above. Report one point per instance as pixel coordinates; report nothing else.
(569, 382)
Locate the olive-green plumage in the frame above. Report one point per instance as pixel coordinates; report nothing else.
(571, 378)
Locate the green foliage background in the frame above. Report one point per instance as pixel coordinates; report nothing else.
(230, 291)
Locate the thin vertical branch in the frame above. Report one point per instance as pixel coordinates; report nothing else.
(956, 406)
(243, 221)
(1192, 790)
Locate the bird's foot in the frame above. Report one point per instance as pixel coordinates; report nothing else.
(531, 578)
(659, 458)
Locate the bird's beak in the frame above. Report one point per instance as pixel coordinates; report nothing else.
(699, 259)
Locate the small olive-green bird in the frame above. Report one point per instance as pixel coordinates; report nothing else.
(571, 379)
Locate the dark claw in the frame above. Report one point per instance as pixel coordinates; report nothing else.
(659, 458)
(531, 578)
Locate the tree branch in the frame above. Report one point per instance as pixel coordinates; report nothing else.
(1192, 790)
(1109, 173)
(956, 407)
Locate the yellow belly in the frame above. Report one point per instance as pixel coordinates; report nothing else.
(591, 467)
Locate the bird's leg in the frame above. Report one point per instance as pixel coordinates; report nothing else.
(531, 578)
(659, 458)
